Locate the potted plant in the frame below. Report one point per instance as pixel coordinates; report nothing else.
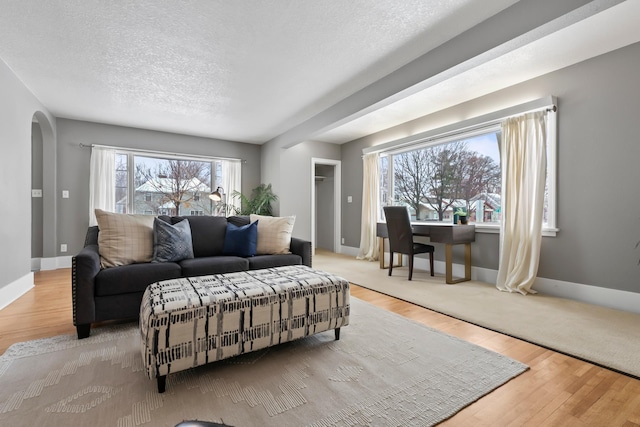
(462, 215)
(259, 203)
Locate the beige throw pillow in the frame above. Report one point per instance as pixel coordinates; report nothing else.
(124, 239)
(274, 234)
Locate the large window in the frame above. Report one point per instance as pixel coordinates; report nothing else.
(166, 185)
(438, 178)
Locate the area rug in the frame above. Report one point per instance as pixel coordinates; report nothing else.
(385, 370)
(604, 336)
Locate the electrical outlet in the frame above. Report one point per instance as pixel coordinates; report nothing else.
(65, 194)
(343, 240)
(63, 247)
(349, 199)
(36, 193)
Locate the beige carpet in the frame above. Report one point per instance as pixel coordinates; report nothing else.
(385, 371)
(604, 336)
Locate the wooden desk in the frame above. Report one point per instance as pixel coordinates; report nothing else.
(449, 234)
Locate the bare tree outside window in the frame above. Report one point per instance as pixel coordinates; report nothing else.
(411, 175)
(446, 164)
(434, 180)
(175, 185)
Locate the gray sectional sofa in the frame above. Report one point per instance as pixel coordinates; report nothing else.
(101, 294)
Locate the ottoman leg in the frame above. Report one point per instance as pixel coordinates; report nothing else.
(337, 331)
(162, 383)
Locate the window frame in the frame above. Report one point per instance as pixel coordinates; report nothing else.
(477, 126)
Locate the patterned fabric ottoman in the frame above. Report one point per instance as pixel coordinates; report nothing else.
(192, 321)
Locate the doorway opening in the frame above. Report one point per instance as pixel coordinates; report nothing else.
(326, 208)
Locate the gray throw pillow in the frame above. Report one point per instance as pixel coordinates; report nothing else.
(171, 243)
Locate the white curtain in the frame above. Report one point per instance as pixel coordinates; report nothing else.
(102, 181)
(524, 162)
(370, 192)
(231, 181)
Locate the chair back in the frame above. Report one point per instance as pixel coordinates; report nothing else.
(399, 229)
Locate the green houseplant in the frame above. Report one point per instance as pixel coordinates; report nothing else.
(461, 214)
(258, 203)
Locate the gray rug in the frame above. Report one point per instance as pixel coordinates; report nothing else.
(385, 371)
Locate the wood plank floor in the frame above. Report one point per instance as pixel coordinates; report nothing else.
(557, 390)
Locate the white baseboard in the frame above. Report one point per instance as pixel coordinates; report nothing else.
(612, 298)
(55, 263)
(15, 290)
(349, 250)
(605, 297)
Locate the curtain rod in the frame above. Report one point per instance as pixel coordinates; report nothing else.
(163, 153)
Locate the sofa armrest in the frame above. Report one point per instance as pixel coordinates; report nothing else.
(85, 267)
(303, 248)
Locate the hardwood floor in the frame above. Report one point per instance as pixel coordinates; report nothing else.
(557, 390)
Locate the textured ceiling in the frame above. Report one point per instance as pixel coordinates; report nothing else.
(238, 70)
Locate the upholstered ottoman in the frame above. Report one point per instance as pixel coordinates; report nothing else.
(192, 321)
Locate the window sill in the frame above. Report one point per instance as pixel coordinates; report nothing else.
(495, 229)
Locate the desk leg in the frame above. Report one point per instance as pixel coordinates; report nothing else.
(449, 264)
(381, 254)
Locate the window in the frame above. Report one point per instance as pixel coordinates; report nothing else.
(160, 184)
(435, 175)
(437, 179)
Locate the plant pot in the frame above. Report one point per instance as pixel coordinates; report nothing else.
(463, 220)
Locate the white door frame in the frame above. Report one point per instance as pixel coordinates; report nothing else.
(337, 198)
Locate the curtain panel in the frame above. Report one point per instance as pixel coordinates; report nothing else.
(102, 181)
(524, 164)
(232, 182)
(370, 192)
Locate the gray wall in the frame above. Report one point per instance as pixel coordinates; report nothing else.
(598, 172)
(73, 165)
(37, 212)
(289, 171)
(17, 108)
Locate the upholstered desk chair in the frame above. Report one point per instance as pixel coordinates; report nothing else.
(401, 237)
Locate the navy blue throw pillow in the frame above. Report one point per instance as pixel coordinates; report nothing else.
(241, 241)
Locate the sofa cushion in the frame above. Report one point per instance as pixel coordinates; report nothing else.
(270, 261)
(274, 234)
(207, 234)
(171, 242)
(124, 238)
(134, 278)
(241, 241)
(239, 220)
(213, 265)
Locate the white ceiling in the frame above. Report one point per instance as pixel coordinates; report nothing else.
(250, 70)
